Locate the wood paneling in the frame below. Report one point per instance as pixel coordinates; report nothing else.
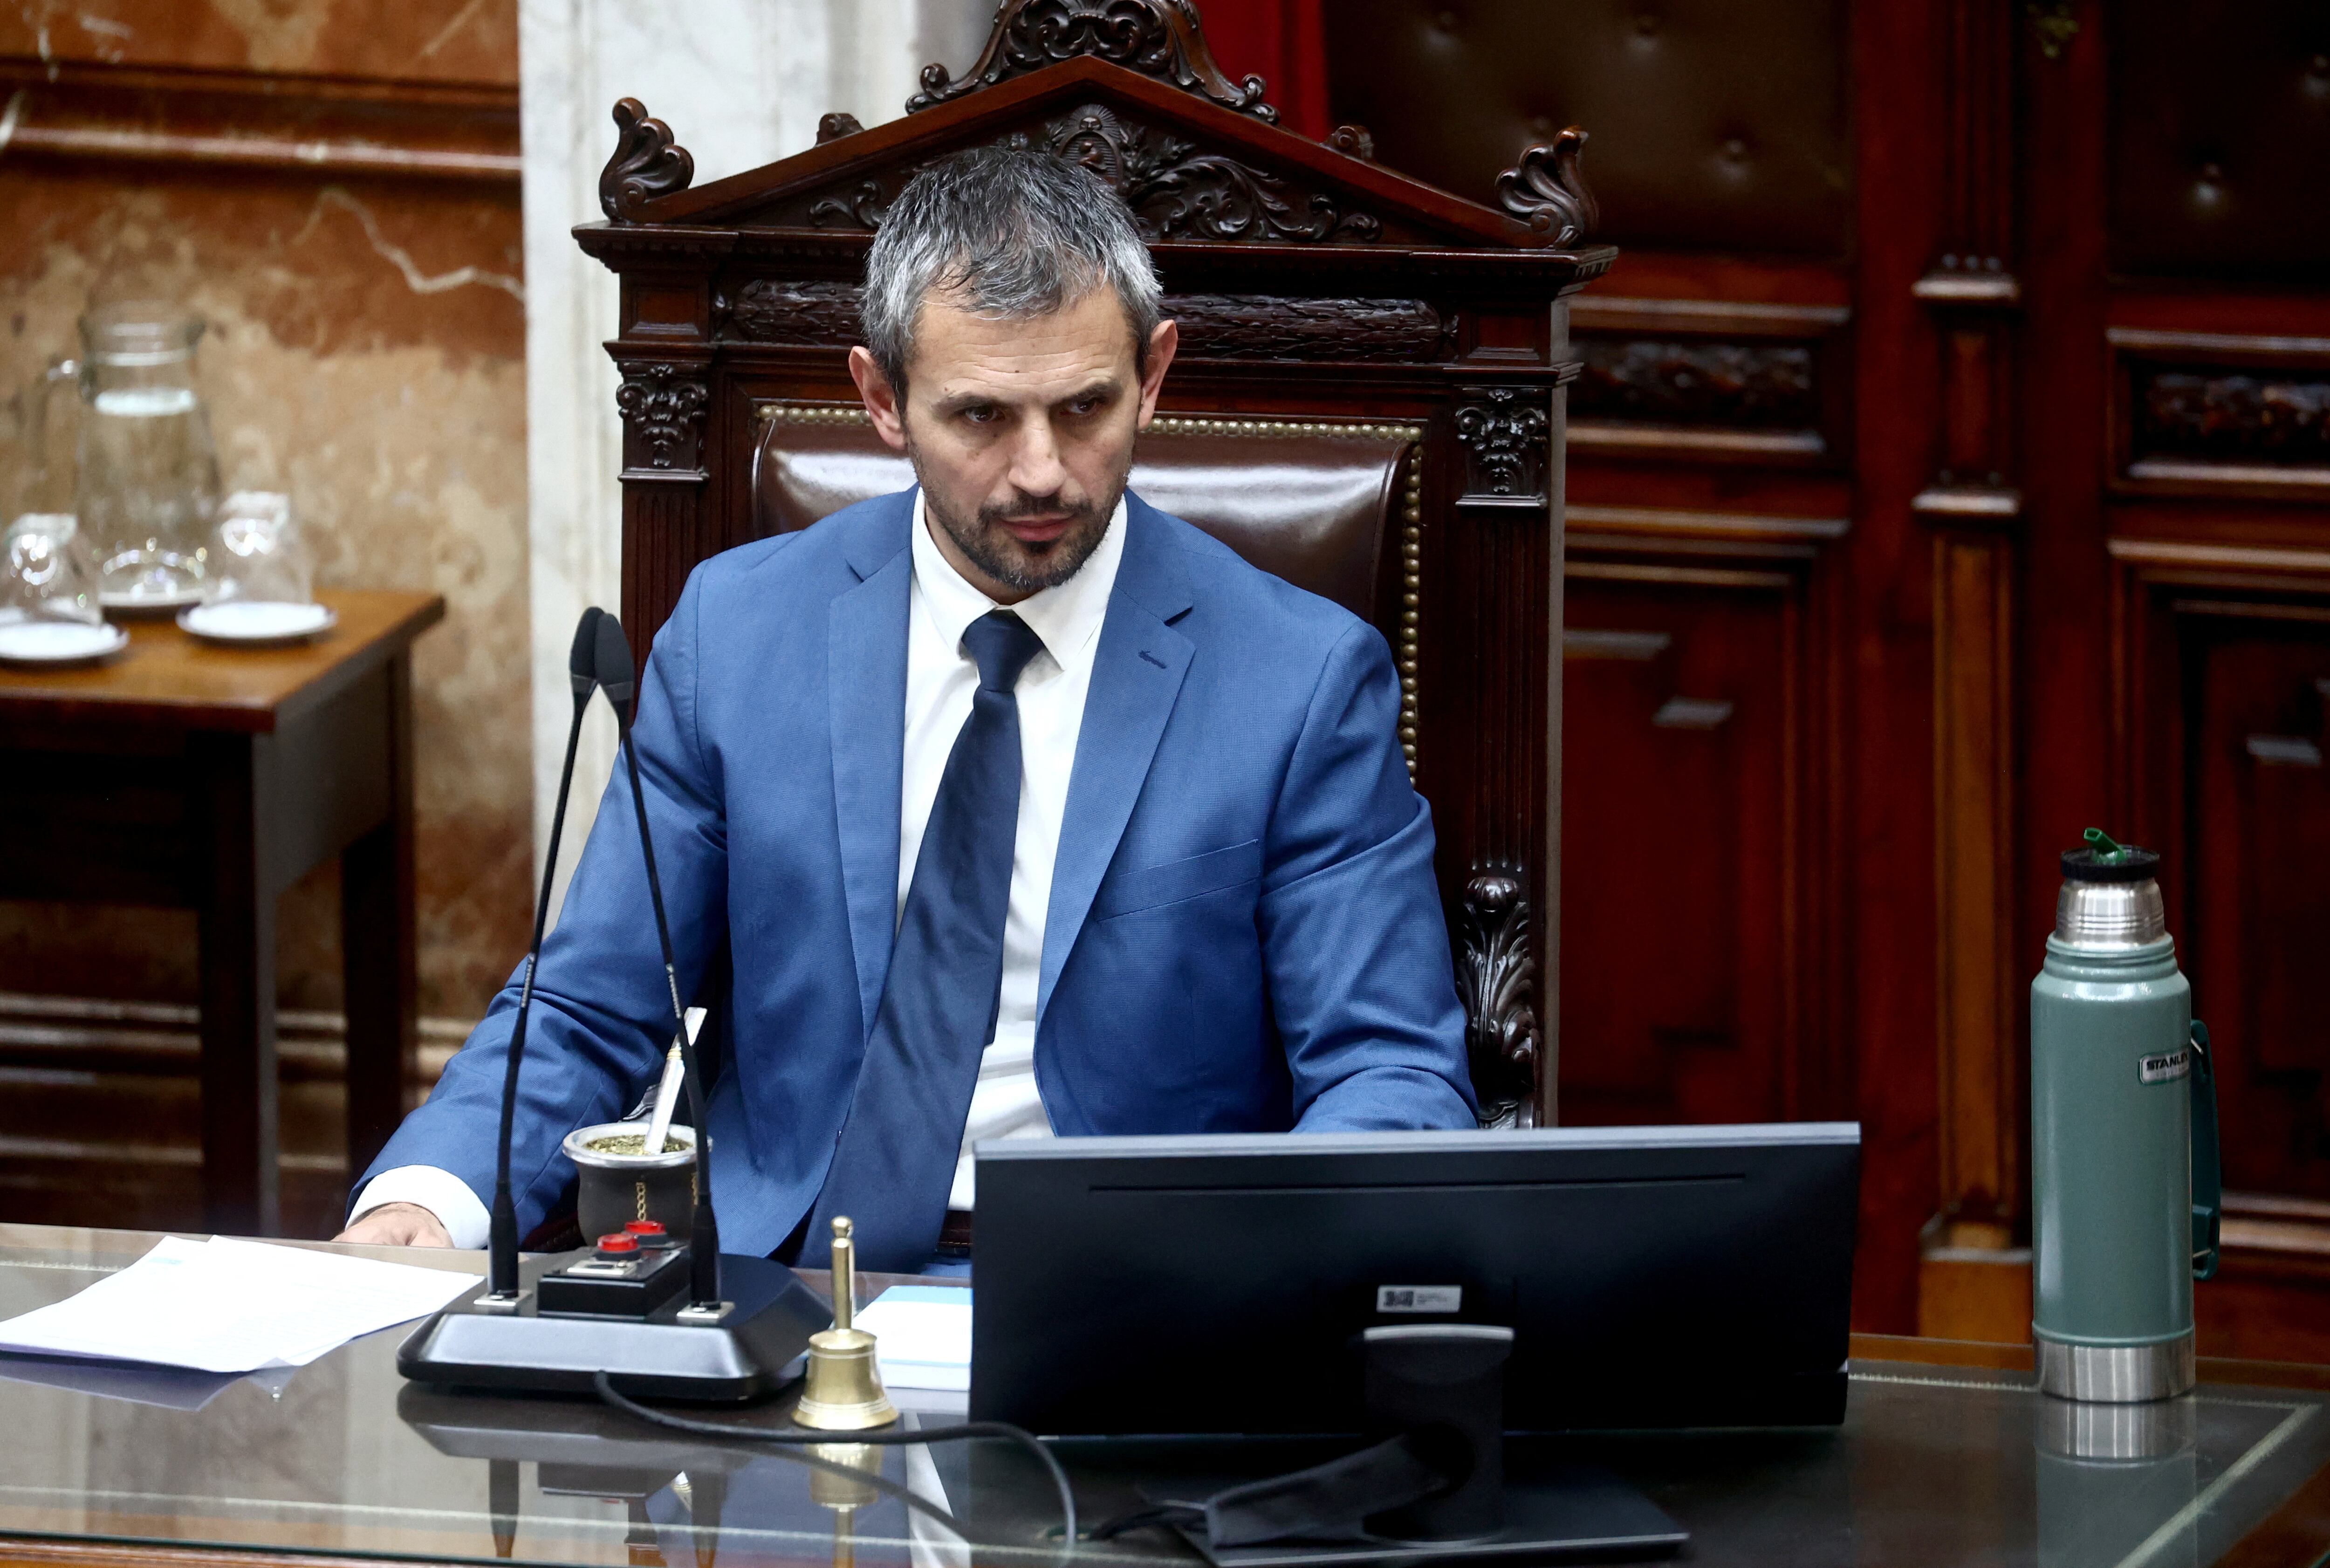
(1747, 742)
(104, 1124)
(1699, 655)
(2232, 777)
(2221, 414)
(1981, 1073)
(1700, 381)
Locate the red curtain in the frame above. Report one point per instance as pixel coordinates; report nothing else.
(1285, 43)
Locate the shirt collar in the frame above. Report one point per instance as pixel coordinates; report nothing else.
(1066, 618)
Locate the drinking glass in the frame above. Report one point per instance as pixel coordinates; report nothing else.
(48, 592)
(46, 573)
(258, 554)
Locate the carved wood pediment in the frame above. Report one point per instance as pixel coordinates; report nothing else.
(1191, 169)
(1158, 38)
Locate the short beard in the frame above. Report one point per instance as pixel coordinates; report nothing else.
(1021, 567)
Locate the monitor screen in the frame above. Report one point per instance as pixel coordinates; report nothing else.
(1652, 1276)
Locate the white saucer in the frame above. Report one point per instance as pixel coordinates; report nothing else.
(149, 603)
(59, 643)
(257, 623)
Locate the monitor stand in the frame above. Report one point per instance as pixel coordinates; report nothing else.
(1573, 1510)
(1438, 1390)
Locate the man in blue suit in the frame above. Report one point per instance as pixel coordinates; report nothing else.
(1015, 806)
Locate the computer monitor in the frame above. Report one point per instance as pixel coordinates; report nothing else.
(1219, 1285)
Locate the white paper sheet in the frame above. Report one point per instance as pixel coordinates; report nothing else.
(233, 1306)
(922, 1335)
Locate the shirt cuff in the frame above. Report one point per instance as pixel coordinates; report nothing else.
(440, 1192)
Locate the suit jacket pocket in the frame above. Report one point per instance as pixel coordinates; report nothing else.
(1178, 880)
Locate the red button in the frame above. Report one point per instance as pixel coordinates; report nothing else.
(617, 1242)
(646, 1229)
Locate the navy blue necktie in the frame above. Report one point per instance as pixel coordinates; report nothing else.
(896, 1159)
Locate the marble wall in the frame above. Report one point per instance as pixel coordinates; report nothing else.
(742, 84)
(365, 354)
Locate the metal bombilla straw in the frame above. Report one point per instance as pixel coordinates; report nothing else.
(617, 674)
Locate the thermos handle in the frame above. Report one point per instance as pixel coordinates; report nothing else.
(2208, 1172)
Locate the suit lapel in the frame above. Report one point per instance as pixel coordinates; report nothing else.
(865, 684)
(1137, 675)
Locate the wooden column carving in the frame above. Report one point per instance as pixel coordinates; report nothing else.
(1496, 976)
(665, 402)
(1973, 510)
(1506, 504)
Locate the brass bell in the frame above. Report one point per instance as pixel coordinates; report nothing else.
(844, 1391)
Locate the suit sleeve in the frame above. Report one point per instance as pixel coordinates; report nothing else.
(601, 1017)
(1354, 942)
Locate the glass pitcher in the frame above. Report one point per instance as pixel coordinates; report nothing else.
(147, 481)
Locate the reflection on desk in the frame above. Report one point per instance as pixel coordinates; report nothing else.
(1935, 1464)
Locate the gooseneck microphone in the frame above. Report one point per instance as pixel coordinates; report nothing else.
(616, 673)
(707, 1329)
(582, 673)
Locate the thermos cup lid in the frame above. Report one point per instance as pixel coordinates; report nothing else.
(2124, 864)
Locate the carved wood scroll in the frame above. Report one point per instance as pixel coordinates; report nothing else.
(1241, 327)
(1761, 385)
(1546, 191)
(814, 315)
(1159, 38)
(1177, 190)
(2224, 415)
(647, 164)
(1495, 976)
(1273, 327)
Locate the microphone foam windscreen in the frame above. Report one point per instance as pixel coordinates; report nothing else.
(615, 669)
(582, 662)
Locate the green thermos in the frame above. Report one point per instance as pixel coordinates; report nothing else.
(2125, 1181)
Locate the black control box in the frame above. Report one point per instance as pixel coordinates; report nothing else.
(627, 1285)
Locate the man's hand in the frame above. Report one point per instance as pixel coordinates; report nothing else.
(397, 1225)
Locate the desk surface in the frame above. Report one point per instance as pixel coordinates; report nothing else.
(1935, 1463)
(166, 677)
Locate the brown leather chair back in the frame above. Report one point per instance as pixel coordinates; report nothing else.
(1311, 502)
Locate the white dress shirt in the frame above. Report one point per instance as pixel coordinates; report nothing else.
(941, 678)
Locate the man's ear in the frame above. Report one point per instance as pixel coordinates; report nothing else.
(1163, 342)
(882, 404)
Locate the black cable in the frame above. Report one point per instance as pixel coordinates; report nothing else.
(905, 1495)
(1180, 1514)
(800, 1438)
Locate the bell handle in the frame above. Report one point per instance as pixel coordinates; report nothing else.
(2208, 1168)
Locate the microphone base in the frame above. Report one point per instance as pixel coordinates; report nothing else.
(756, 1347)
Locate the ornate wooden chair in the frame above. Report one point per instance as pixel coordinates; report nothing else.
(1368, 401)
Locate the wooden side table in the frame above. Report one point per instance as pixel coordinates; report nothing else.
(193, 777)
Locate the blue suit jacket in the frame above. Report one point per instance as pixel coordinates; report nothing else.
(1245, 933)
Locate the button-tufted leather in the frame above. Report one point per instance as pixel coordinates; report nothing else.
(2220, 138)
(1714, 122)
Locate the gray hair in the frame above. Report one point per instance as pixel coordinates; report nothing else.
(1021, 233)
